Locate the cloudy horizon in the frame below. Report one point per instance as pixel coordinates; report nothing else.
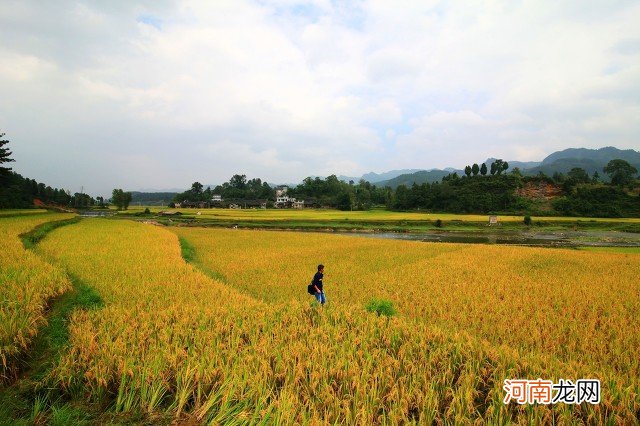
(160, 94)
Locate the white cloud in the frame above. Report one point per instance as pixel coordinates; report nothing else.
(285, 89)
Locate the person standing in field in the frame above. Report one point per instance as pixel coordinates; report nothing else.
(317, 284)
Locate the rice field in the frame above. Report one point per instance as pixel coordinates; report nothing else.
(357, 216)
(21, 212)
(27, 283)
(242, 342)
(232, 337)
(550, 301)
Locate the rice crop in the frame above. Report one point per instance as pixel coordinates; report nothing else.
(27, 283)
(242, 344)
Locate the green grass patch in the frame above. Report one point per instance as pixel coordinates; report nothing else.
(187, 250)
(189, 256)
(381, 307)
(31, 238)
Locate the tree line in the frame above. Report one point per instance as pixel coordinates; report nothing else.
(17, 191)
(327, 192)
(480, 189)
(496, 192)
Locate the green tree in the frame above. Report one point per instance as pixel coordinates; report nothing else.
(578, 175)
(121, 199)
(596, 177)
(344, 201)
(196, 189)
(558, 177)
(499, 166)
(116, 198)
(483, 169)
(475, 169)
(401, 199)
(467, 171)
(238, 181)
(5, 157)
(621, 172)
(127, 199)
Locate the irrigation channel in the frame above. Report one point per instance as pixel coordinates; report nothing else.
(537, 239)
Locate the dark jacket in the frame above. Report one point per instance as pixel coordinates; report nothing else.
(317, 280)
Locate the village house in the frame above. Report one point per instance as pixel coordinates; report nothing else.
(248, 204)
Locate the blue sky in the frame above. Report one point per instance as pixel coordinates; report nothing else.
(159, 94)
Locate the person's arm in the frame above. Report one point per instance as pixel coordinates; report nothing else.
(317, 290)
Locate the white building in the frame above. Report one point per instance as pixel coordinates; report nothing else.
(281, 191)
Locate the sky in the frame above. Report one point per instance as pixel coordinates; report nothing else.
(159, 94)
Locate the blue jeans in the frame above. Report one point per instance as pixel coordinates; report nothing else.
(321, 298)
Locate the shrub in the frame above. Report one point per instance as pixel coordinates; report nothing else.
(438, 223)
(381, 307)
(527, 220)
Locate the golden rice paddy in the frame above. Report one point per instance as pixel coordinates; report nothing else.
(26, 283)
(234, 338)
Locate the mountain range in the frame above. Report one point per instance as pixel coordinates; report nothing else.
(591, 160)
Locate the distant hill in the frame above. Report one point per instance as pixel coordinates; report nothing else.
(602, 155)
(522, 165)
(419, 177)
(373, 177)
(591, 160)
(152, 198)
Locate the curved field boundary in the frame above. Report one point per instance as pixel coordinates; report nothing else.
(27, 284)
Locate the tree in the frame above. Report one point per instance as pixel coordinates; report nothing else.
(499, 166)
(121, 199)
(558, 177)
(117, 198)
(467, 171)
(621, 172)
(401, 201)
(578, 175)
(596, 177)
(516, 172)
(196, 188)
(4, 157)
(344, 201)
(483, 169)
(127, 199)
(475, 169)
(238, 181)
